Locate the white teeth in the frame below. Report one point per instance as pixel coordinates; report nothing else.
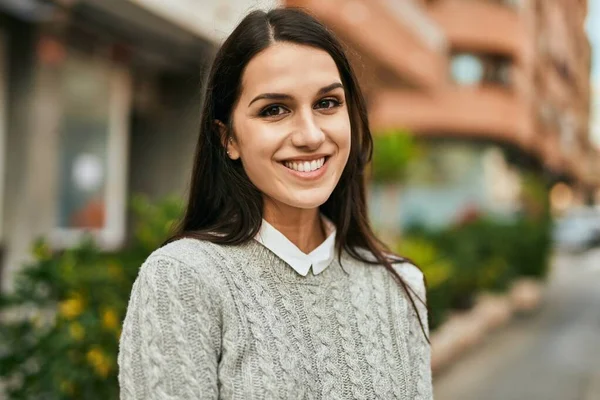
(306, 166)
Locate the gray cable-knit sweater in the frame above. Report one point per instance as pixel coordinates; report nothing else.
(208, 321)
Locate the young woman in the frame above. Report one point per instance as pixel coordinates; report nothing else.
(274, 286)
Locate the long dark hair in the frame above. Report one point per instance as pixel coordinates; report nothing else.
(224, 206)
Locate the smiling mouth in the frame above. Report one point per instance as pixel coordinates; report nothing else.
(306, 166)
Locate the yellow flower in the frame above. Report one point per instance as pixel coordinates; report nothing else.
(76, 331)
(72, 307)
(99, 361)
(67, 387)
(109, 319)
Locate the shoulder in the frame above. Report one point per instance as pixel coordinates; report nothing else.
(410, 273)
(171, 284)
(201, 254)
(185, 259)
(187, 251)
(412, 276)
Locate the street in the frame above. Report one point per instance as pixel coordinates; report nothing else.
(552, 355)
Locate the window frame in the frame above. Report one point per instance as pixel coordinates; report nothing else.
(112, 235)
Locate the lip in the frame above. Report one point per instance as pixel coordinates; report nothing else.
(306, 158)
(311, 175)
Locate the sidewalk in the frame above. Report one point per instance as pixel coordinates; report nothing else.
(553, 355)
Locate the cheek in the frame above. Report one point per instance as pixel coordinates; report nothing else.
(340, 132)
(257, 144)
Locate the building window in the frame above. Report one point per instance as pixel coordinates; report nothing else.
(466, 69)
(499, 72)
(93, 148)
(478, 69)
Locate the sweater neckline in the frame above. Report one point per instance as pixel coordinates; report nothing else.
(271, 265)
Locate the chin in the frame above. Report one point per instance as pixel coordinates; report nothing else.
(308, 199)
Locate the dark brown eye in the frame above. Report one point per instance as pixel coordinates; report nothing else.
(272, 111)
(327, 103)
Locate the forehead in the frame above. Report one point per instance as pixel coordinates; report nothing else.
(286, 67)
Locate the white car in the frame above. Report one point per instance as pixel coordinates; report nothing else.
(578, 229)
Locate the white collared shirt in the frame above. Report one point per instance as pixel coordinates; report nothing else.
(301, 262)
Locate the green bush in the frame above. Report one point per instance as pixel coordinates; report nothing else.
(69, 305)
(484, 255)
(437, 270)
(530, 253)
(478, 249)
(392, 151)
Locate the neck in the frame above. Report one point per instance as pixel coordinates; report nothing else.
(303, 227)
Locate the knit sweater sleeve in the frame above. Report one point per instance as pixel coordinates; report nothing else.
(170, 342)
(419, 347)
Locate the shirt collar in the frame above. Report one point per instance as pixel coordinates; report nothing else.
(301, 262)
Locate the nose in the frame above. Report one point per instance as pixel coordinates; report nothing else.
(307, 133)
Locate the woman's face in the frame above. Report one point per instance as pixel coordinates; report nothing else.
(291, 125)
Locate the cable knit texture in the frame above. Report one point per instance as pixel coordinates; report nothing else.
(208, 321)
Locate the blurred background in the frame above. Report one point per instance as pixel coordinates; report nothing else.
(486, 173)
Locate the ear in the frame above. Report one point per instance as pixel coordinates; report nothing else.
(227, 141)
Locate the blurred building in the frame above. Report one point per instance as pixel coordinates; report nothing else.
(593, 30)
(495, 86)
(92, 93)
(99, 99)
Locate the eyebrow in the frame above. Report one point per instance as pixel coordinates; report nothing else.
(282, 96)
